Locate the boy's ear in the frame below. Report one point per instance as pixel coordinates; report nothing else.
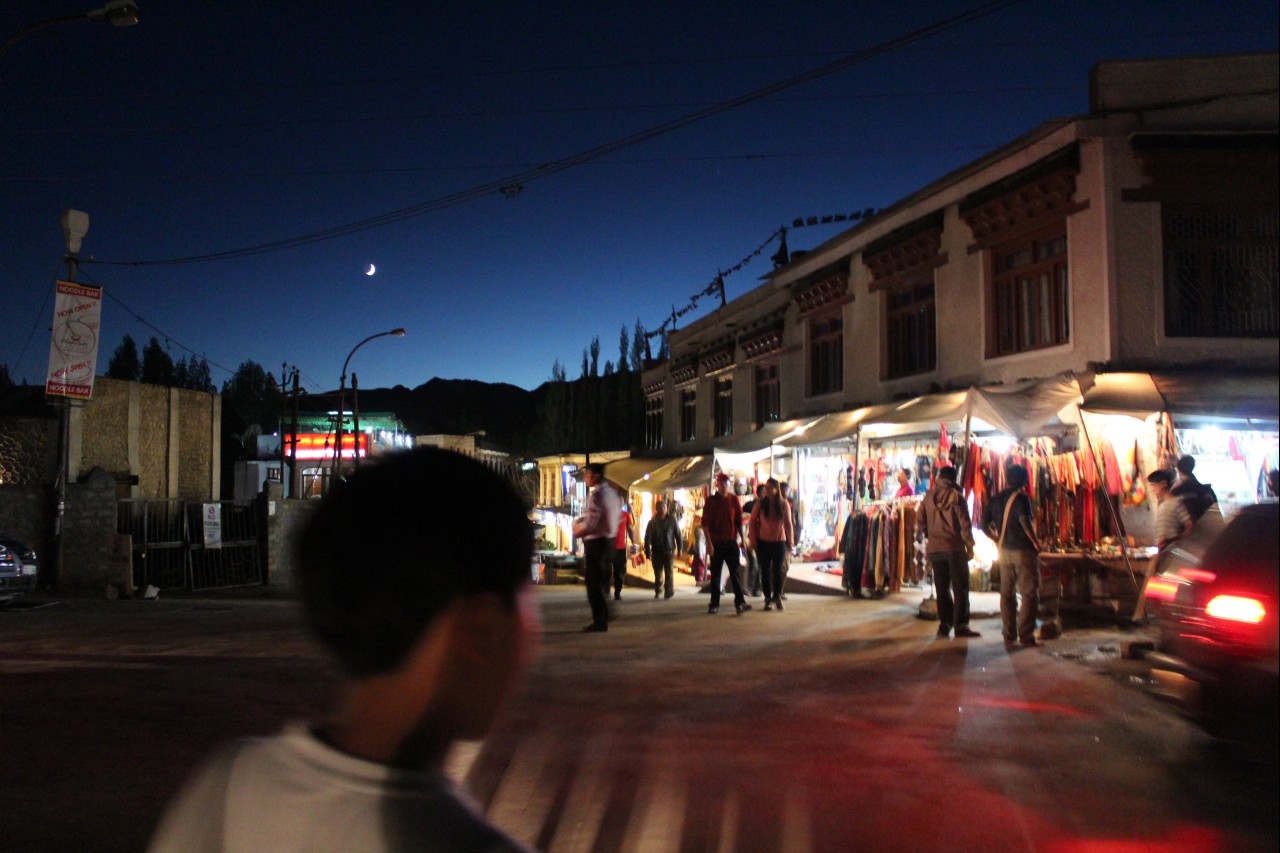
(480, 627)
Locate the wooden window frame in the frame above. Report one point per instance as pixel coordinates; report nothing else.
(910, 327)
(722, 406)
(768, 388)
(653, 421)
(825, 362)
(1029, 305)
(1230, 295)
(688, 413)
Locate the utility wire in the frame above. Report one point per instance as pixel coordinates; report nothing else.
(169, 339)
(520, 179)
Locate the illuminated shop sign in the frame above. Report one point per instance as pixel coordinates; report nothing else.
(319, 445)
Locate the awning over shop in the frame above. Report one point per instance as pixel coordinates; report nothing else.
(769, 434)
(1195, 395)
(695, 475)
(625, 472)
(1025, 409)
(656, 480)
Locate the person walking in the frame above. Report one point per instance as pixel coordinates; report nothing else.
(753, 559)
(626, 533)
(661, 546)
(784, 490)
(597, 528)
(1173, 518)
(946, 525)
(771, 535)
(1007, 519)
(722, 520)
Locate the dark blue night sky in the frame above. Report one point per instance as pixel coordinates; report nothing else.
(212, 127)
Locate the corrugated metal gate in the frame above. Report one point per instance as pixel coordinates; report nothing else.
(168, 544)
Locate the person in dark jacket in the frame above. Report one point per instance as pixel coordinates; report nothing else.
(945, 523)
(1197, 496)
(1007, 519)
(661, 545)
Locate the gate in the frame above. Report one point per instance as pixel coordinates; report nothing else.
(237, 562)
(159, 532)
(168, 544)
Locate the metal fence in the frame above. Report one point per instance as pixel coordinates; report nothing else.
(169, 550)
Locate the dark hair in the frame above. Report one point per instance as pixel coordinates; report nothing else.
(1017, 476)
(392, 547)
(947, 472)
(595, 468)
(770, 506)
(1160, 475)
(1186, 464)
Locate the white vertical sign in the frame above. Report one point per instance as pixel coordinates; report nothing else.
(212, 514)
(73, 349)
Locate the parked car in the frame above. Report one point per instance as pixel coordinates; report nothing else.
(1218, 625)
(18, 568)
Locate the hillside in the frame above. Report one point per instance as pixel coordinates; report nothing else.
(459, 406)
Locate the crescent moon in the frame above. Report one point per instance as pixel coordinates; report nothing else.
(371, 270)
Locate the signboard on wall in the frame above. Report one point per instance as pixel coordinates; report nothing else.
(73, 348)
(212, 516)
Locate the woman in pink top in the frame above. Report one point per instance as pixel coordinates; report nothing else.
(771, 535)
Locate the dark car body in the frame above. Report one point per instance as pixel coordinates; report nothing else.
(1218, 627)
(19, 568)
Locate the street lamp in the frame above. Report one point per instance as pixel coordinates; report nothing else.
(118, 13)
(342, 403)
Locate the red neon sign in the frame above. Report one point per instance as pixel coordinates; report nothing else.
(319, 445)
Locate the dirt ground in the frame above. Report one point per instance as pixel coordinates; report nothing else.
(835, 725)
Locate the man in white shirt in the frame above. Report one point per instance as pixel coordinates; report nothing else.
(414, 575)
(1173, 519)
(597, 528)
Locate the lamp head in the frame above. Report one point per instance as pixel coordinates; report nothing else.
(119, 13)
(75, 224)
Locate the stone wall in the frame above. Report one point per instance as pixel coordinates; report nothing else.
(281, 520)
(89, 524)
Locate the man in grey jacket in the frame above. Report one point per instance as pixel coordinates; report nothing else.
(946, 524)
(661, 545)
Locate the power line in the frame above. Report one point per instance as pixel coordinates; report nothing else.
(169, 339)
(540, 111)
(548, 169)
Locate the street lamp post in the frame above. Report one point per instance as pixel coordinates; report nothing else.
(118, 13)
(342, 388)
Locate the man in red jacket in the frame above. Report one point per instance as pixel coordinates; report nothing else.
(722, 520)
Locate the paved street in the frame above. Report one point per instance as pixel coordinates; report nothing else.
(835, 725)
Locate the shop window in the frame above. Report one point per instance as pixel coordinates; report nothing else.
(688, 414)
(1220, 273)
(768, 395)
(826, 355)
(653, 422)
(910, 332)
(723, 407)
(1031, 298)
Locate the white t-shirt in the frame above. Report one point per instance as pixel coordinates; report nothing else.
(292, 792)
(1171, 516)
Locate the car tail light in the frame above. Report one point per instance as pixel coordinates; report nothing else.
(1162, 589)
(1197, 575)
(1236, 608)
